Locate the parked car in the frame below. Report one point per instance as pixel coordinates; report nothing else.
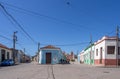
(62, 61)
(7, 62)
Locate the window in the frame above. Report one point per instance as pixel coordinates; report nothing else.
(7, 55)
(110, 49)
(96, 52)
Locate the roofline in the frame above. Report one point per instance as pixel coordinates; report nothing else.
(105, 38)
(5, 47)
(49, 47)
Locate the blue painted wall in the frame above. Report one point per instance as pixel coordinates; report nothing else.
(78, 58)
(56, 55)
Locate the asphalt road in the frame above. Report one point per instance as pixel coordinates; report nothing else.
(69, 71)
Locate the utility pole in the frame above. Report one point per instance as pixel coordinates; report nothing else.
(38, 52)
(38, 47)
(24, 55)
(24, 50)
(90, 47)
(14, 45)
(117, 44)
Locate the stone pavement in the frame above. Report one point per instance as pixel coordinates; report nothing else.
(67, 71)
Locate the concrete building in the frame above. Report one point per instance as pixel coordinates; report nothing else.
(50, 55)
(5, 53)
(82, 57)
(78, 58)
(105, 51)
(70, 57)
(89, 55)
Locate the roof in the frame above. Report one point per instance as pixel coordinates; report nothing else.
(89, 47)
(50, 47)
(106, 38)
(3, 46)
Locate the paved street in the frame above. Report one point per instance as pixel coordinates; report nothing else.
(72, 71)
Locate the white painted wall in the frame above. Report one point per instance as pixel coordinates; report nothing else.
(6, 50)
(104, 45)
(40, 57)
(110, 43)
(82, 57)
(98, 46)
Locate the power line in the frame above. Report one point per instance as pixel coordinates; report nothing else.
(73, 44)
(17, 23)
(11, 41)
(5, 37)
(49, 17)
(13, 24)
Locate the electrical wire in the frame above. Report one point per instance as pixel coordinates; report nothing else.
(13, 24)
(52, 18)
(47, 17)
(5, 37)
(11, 41)
(17, 23)
(78, 27)
(73, 44)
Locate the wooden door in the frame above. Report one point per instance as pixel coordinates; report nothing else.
(48, 58)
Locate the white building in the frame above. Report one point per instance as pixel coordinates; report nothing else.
(5, 53)
(105, 51)
(82, 57)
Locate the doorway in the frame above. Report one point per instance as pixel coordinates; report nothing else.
(48, 58)
(3, 54)
(101, 55)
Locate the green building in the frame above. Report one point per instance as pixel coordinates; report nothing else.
(89, 55)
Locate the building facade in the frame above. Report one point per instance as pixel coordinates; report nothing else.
(70, 57)
(5, 53)
(89, 55)
(106, 51)
(50, 55)
(82, 57)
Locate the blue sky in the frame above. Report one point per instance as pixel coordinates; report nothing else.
(65, 23)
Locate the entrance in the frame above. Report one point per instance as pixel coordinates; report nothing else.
(48, 58)
(3, 54)
(101, 55)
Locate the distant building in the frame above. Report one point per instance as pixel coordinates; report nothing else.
(80, 58)
(50, 55)
(34, 58)
(70, 56)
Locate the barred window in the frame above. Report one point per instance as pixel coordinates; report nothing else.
(118, 50)
(110, 49)
(96, 52)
